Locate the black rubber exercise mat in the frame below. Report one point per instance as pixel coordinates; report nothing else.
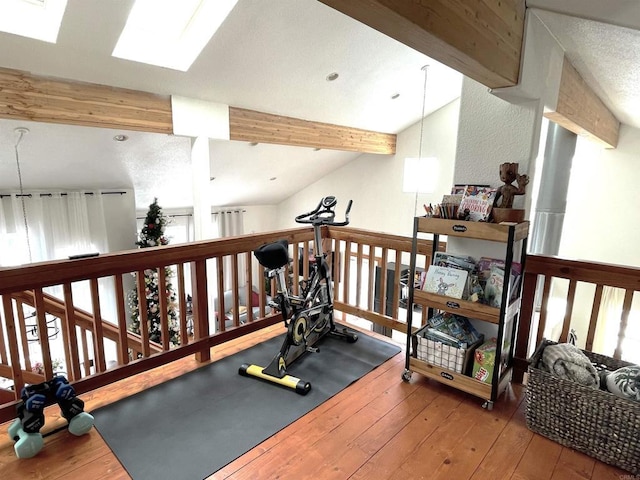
(192, 426)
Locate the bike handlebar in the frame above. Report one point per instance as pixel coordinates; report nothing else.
(324, 213)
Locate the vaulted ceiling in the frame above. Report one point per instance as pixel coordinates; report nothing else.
(272, 57)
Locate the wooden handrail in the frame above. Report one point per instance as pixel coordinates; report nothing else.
(56, 307)
(355, 242)
(597, 274)
(65, 272)
(356, 254)
(59, 272)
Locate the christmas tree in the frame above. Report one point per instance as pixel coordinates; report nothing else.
(152, 235)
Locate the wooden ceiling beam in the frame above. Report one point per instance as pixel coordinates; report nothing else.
(581, 111)
(28, 97)
(480, 38)
(252, 126)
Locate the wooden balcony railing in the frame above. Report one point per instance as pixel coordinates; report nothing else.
(87, 335)
(367, 251)
(579, 286)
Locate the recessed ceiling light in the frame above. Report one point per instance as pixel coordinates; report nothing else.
(121, 138)
(332, 76)
(394, 96)
(170, 34)
(34, 19)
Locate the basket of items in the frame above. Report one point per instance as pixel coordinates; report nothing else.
(586, 401)
(448, 341)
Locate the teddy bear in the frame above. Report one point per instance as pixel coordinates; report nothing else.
(506, 193)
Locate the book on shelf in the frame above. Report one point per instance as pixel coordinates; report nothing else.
(491, 275)
(423, 279)
(460, 188)
(446, 281)
(462, 262)
(494, 287)
(484, 264)
(456, 326)
(442, 337)
(476, 203)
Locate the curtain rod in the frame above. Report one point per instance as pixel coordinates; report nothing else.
(2, 195)
(228, 211)
(191, 214)
(169, 215)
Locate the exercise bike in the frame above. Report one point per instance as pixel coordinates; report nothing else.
(308, 316)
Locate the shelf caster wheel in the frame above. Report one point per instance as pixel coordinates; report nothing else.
(406, 376)
(488, 405)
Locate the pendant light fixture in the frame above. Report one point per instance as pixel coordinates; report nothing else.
(21, 132)
(418, 178)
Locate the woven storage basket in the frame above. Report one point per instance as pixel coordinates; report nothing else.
(440, 355)
(595, 422)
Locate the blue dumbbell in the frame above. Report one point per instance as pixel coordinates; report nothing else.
(80, 422)
(31, 412)
(61, 388)
(27, 444)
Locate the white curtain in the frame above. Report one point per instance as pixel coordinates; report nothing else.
(609, 317)
(606, 337)
(38, 227)
(230, 223)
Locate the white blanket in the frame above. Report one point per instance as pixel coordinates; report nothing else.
(570, 363)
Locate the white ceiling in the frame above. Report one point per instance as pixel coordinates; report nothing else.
(602, 41)
(271, 56)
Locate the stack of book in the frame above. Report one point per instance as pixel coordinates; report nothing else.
(447, 341)
(460, 276)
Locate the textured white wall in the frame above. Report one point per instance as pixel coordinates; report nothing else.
(374, 182)
(120, 219)
(493, 131)
(602, 222)
(260, 219)
(504, 125)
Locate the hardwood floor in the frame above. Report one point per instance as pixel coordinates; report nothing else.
(378, 428)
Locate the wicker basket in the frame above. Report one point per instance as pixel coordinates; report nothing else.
(440, 355)
(595, 422)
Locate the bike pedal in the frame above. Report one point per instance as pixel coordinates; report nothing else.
(273, 304)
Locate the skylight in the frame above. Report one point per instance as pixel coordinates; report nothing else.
(38, 19)
(170, 33)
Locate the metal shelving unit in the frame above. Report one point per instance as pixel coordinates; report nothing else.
(505, 317)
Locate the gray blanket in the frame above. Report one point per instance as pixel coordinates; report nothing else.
(625, 382)
(570, 363)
